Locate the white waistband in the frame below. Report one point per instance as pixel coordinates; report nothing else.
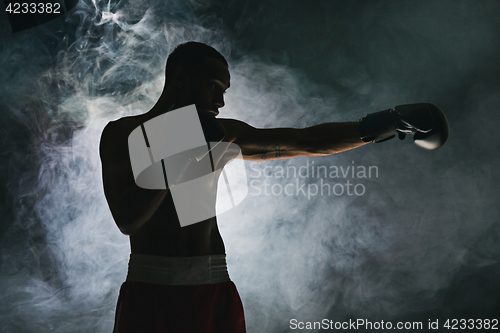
(177, 270)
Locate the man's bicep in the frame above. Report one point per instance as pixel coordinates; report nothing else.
(266, 144)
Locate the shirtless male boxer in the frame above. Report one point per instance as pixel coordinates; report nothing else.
(177, 279)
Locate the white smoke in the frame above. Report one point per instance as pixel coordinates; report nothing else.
(384, 254)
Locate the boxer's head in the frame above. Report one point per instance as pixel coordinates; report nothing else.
(197, 73)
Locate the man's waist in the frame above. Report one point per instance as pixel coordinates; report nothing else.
(198, 270)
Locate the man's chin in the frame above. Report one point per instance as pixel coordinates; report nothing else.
(207, 111)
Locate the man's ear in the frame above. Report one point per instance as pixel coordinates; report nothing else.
(181, 78)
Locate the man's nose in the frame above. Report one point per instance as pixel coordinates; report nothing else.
(219, 102)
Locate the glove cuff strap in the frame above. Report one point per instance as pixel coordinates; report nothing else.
(379, 126)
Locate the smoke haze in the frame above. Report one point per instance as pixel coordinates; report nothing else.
(420, 242)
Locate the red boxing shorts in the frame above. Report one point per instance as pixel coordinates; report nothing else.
(181, 295)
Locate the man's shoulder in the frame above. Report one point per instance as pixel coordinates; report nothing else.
(117, 131)
(122, 123)
(121, 126)
(234, 128)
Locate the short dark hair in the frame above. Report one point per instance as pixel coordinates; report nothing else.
(191, 56)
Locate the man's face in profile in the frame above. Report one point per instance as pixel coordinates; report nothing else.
(207, 90)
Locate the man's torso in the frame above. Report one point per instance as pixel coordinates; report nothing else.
(162, 235)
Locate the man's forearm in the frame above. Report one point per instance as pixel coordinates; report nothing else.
(136, 207)
(332, 138)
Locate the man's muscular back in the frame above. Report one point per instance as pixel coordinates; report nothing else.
(149, 216)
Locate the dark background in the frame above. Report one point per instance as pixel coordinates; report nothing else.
(420, 244)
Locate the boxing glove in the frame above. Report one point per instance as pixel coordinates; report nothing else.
(426, 122)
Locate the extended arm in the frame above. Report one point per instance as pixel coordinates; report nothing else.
(332, 138)
(426, 122)
(280, 143)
